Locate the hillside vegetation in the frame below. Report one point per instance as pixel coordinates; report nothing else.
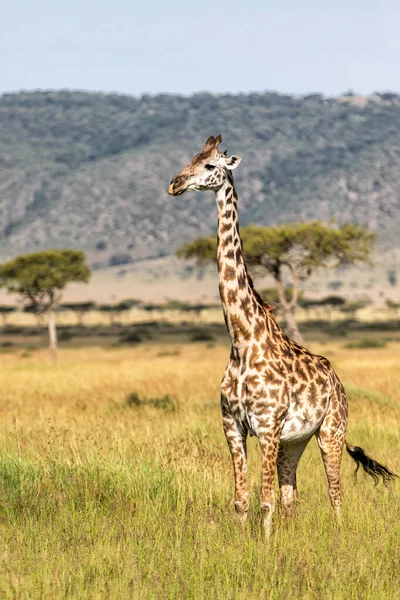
(92, 170)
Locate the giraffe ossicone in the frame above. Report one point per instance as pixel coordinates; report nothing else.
(272, 387)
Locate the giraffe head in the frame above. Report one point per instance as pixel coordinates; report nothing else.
(207, 171)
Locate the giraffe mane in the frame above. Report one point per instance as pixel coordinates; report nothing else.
(267, 307)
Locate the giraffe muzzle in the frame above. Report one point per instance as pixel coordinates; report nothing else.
(175, 188)
(173, 192)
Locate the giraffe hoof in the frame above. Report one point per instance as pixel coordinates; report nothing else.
(241, 519)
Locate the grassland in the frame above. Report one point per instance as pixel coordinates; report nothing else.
(105, 496)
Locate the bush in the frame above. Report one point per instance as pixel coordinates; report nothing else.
(14, 329)
(131, 337)
(169, 353)
(122, 258)
(143, 331)
(202, 336)
(366, 343)
(64, 335)
(133, 400)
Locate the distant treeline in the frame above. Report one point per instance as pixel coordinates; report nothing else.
(323, 307)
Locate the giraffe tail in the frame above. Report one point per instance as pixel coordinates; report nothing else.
(370, 466)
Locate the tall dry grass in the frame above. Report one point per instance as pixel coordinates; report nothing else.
(105, 497)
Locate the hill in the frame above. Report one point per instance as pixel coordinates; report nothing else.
(91, 170)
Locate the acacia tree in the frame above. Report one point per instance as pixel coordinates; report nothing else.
(327, 304)
(81, 309)
(126, 305)
(391, 304)
(40, 277)
(5, 311)
(109, 310)
(291, 253)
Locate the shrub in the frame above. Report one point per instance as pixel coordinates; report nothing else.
(366, 343)
(133, 400)
(64, 335)
(201, 335)
(121, 258)
(176, 352)
(14, 329)
(131, 337)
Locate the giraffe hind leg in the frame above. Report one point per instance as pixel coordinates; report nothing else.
(331, 437)
(331, 446)
(288, 459)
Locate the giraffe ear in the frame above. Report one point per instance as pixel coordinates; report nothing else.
(233, 161)
(209, 143)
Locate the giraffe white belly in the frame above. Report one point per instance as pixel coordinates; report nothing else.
(300, 425)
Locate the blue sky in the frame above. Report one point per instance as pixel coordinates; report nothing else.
(135, 47)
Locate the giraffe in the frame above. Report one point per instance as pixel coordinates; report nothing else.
(272, 387)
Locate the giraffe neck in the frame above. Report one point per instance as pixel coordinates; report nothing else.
(243, 309)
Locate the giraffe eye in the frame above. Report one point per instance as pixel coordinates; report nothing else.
(210, 167)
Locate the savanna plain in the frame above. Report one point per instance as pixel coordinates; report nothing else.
(116, 482)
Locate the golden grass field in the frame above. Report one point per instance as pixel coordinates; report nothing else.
(105, 498)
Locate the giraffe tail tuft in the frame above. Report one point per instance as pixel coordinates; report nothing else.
(370, 466)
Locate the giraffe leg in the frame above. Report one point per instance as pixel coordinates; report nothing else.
(236, 439)
(288, 459)
(331, 437)
(269, 452)
(331, 445)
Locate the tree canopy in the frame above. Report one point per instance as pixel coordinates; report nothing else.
(38, 276)
(292, 251)
(303, 246)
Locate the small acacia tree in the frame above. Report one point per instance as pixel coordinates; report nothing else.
(40, 277)
(291, 253)
(5, 311)
(393, 306)
(80, 309)
(125, 306)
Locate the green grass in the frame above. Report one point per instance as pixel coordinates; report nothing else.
(138, 502)
(370, 396)
(148, 530)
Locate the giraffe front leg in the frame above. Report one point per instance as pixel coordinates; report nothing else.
(236, 439)
(269, 451)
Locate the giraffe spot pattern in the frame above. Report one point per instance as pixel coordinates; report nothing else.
(229, 273)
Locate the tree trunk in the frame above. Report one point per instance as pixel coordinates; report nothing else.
(292, 329)
(288, 306)
(52, 334)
